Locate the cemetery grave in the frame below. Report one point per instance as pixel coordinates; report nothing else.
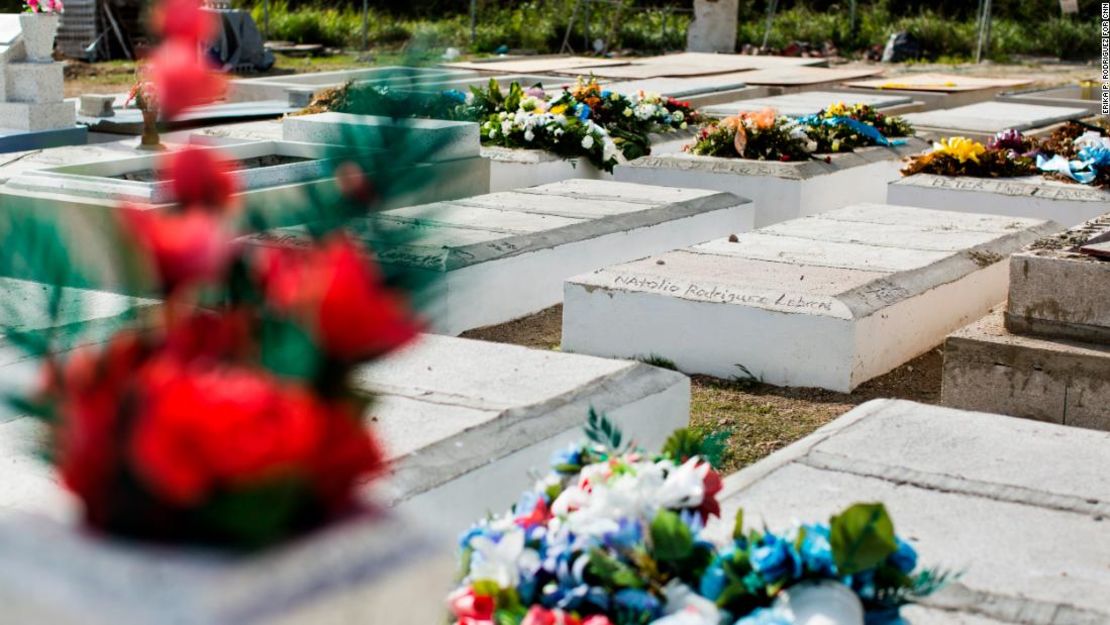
(1017, 507)
(33, 113)
(804, 77)
(699, 91)
(505, 255)
(983, 120)
(278, 87)
(689, 64)
(1047, 355)
(779, 190)
(874, 285)
(1036, 197)
(1083, 95)
(935, 90)
(812, 102)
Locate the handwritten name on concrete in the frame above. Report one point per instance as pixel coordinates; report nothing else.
(724, 295)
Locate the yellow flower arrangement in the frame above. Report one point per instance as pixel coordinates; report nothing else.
(960, 148)
(838, 110)
(558, 109)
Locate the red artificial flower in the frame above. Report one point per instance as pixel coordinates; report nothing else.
(91, 387)
(539, 515)
(184, 20)
(183, 78)
(184, 248)
(353, 183)
(203, 337)
(711, 485)
(471, 608)
(200, 177)
(597, 619)
(348, 454)
(539, 615)
(206, 429)
(337, 291)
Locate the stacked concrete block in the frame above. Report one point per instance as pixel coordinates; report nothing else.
(1047, 355)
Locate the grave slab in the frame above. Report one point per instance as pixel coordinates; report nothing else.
(1032, 196)
(505, 255)
(129, 121)
(276, 87)
(1059, 291)
(463, 440)
(983, 120)
(780, 191)
(805, 77)
(442, 140)
(874, 285)
(36, 83)
(810, 103)
(538, 65)
(699, 91)
(23, 141)
(33, 117)
(989, 368)
(1073, 96)
(1018, 507)
(935, 90)
(689, 64)
(511, 168)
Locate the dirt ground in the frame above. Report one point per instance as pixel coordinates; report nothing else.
(762, 418)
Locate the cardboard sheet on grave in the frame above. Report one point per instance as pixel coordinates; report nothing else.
(945, 83)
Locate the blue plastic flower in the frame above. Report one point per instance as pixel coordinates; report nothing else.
(816, 551)
(605, 93)
(571, 456)
(775, 559)
(766, 616)
(713, 581)
(905, 558)
(637, 605)
(628, 536)
(581, 598)
(455, 95)
(582, 112)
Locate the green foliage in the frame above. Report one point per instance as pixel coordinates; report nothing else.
(686, 443)
(671, 538)
(599, 429)
(612, 572)
(862, 537)
(656, 360)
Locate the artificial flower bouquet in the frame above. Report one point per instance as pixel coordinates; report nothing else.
(43, 6)
(615, 535)
(228, 417)
(843, 128)
(1075, 152)
(759, 135)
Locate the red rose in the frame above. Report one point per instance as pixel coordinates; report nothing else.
(183, 78)
(200, 430)
(184, 247)
(337, 292)
(206, 337)
(471, 608)
(91, 387)
(542, 616)
(185, 20)
(348, 453)
(200, 177)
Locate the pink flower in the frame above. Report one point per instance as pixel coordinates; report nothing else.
(185, 20)
(182, 78)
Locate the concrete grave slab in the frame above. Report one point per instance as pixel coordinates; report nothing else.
(713, 28)
(276, 87)
(1072, 96)
(810, 103)
(463, 440)
(780, 191)
(983, 120)
(987, 367)
(948, 477)
(699, 91)
(505, 255)
(441, 140)
(129, 121)
(803, 76)
(1056, 290)
(936, 90)
(35, 83)
(874, 285)
(690, 64)
(511, 168)
(537, 64)
(1033, 196)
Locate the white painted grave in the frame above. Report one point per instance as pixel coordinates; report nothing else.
(1017, 507)
(828, 301)
(276, 87)
(699, 91)
(1034, 196)
(1086, 96)
(505, 255)
(512, 168)
(779, 190)
(982, 120)
(810, 103)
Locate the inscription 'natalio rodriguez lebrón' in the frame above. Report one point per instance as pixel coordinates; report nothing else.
(724, 295)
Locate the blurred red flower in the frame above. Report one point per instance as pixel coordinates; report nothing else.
(199, 430)
(712, 485)
(184, 248)
(185, 20)
(90, 387)
(470, 608)
(337, 292)
(348, 453)
(183, 78)
(200, 177)
(539, 615)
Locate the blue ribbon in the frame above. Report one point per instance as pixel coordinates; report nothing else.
(859, 127)
(1084, 169)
